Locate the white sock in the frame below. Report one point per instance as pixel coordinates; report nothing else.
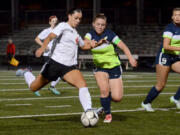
(29, 78)
(53, 83)
(85, 98)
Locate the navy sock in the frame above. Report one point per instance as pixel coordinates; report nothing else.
(177, 95)
(110, 97)
(153, 93)
(106, 104)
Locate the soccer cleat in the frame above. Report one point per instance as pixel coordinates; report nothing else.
(177, 102)
(37, 93)
(99, 110)
(147, 107)
(53, 90)
(108, 118)
(20, 72)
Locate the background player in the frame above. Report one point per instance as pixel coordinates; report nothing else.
(53, 20)
(167, 59)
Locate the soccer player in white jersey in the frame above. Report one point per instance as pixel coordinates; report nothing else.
(63, 60)
(167, 58)
(53, 20)
(107, 65)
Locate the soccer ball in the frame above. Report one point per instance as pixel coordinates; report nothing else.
(89, 118)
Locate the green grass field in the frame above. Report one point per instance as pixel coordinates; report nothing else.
(22, 113)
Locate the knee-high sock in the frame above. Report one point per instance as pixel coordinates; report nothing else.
(29, 78)
(177, 95)
(106, 104)
(85, 98)
(153, 93)
(53, 83)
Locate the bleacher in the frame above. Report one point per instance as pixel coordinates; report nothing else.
(143, 40)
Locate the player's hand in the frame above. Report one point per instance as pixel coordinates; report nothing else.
(133, 62)
(93, 43)
(39, 52)
(47, 49)
(104, 40)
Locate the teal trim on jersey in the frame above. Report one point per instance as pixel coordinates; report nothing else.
(174, 42)
(105, 57)
(117, 41)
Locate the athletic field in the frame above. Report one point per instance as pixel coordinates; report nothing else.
(22, 113)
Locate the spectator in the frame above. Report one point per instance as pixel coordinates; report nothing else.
(10, 51)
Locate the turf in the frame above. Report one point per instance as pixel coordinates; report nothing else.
(22, 113)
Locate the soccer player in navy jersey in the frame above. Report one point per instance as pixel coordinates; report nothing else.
(107, 70)
(167, 59)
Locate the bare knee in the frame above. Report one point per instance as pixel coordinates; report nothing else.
(117, 98)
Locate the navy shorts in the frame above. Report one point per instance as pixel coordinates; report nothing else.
(113, 73)
(166, 59)
(51, 70)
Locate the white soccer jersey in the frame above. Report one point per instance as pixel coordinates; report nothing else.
(42, 36)
(67, 46)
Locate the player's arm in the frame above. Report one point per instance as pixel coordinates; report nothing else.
(127, 52)
(41, 50)
(167, 45)
(90, 44)
(38, 41)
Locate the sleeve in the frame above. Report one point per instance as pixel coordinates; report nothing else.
(43, 34)
(113, 38)
(88, 36)
(59, 29)
(81, 42)
(168, 32)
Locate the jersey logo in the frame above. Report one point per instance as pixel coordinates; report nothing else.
(77, 40)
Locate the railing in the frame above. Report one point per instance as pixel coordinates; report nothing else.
(84, 58)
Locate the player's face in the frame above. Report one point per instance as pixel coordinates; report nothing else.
(74, 19)
(99, 25)
(53, 22)
(176, 17)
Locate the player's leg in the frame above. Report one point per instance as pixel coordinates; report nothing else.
(116, 86)
(75, 78)
(52, 87)
(38, 83)
(102, 79)
(175, 99)
(161, 75)
(33, 83)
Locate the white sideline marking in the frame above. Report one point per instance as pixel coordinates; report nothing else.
(141, 86)
(13, 76)
(78, 113)
(69, 97)
(59, 106)
(18, 104)
(92, 82)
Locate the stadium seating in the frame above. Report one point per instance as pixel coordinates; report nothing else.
(143, 40)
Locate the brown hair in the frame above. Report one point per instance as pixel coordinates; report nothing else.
(51, 17)
(100, 16)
